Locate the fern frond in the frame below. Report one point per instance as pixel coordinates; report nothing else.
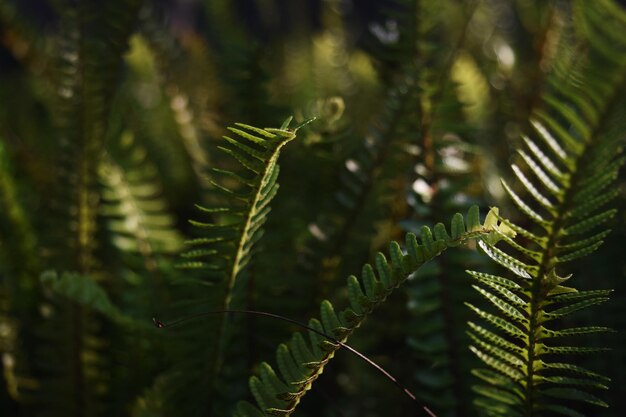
(19, 295)
(89, 294)
(257, 151)
(172, 62)
(365, 167)
(90, 53)
(220, 255)
(573, 157)
(132, 206)
(301, 363)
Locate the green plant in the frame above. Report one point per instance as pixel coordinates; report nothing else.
(111, 140)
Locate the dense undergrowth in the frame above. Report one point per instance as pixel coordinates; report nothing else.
(450, 206)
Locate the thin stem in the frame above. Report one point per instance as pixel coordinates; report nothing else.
(379, 368)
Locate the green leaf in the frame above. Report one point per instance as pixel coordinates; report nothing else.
(498, 394)
(573, 394)
(564, 311)
(590, 223)
(566, 411)
(457, 226)
(488, 278)
(577, 370)
(545, 161)
(517, 267)
(574, 331)
(562, 380)
(525, 208)
(495, 339)
(503, 306)
(498, 365)
(500, 323)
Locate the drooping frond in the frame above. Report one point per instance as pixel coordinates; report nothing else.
(567, 171)
(300, 363)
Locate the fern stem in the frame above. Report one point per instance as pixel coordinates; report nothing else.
(454, 353)
(535, 307)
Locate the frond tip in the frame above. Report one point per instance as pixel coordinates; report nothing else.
(257, 150)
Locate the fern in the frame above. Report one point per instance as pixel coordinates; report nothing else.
(19, 297)
(90, 49)
(442, 181)
(90, 54)
(301, 363)
(573, 157)
(332, 231)
(223, 251)
(436, 295)
(170, 58)
(136, 215)
(101, 152)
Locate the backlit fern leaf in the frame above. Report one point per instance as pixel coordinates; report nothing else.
(569, 166)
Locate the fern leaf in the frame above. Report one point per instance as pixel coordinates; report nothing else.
(88, 56)
(574, 159)
(220, 256)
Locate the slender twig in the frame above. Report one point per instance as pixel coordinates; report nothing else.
(379, 368)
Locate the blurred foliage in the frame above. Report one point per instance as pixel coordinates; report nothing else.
(120, 201)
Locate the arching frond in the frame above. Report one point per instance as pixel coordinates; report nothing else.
(301, 363)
